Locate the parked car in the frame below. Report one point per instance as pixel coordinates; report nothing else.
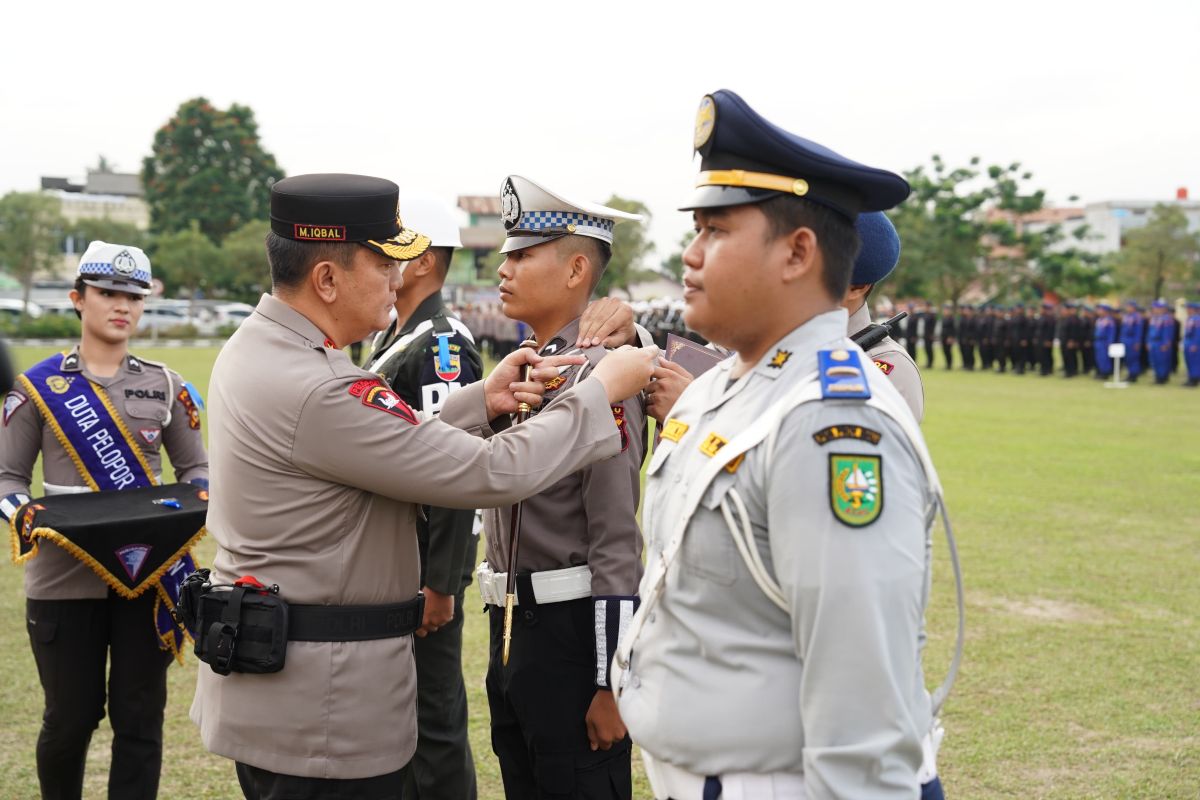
(163, 316)
(10, 309)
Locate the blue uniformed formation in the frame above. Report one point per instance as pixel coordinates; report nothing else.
(1057, 338)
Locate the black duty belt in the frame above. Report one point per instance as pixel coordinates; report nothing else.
(309, 623)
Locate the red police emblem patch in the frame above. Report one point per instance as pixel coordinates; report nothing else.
(185, 397)
(619, 417)
(884, 366)
(12, 401)
(453, 367)
(375, 395)
(149, 435)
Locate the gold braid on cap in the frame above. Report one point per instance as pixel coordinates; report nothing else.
(405, 245)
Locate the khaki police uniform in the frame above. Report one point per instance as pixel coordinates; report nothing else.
(895, 362)
(581, 533)
(75, 622)
(318, 474)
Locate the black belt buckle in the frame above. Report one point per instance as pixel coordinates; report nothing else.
(224, 638)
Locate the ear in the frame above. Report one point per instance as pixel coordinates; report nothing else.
(803, 258)
(324, 278)
(76, 299)
(856, 293)
(580, 270)
(422, 266)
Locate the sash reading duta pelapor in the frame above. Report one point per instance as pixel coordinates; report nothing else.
(130, 531)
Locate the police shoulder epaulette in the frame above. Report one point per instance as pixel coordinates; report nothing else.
(842, 375)
(135, 363)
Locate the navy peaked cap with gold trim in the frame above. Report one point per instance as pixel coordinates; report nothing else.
(746, 159)
(335, 207)
(880, 249)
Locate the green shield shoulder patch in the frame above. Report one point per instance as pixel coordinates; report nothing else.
(855, 488)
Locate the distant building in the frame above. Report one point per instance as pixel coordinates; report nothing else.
(473, 271)
(105, 195)
(1109, 221)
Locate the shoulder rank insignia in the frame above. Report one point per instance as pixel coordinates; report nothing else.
(855, 488)
(779, 359)
(885, 367)
(834, 432)
(712, 444)
(842, 375)
(554, 383)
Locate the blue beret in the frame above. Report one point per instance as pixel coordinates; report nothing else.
(1104, 307)
(746, 159)
(880, 250)
(1158, 304)
(1194, 305)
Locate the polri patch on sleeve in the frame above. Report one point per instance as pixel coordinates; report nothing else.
(884, 366)
(619, 416)
(12, 401)
(842, 375)
(375, 394)
(855, 488)
(834, 432)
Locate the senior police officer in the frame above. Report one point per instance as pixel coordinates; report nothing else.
(319, 468)
(99, 416)
(426, 354)
(777, 649)
(555, 726)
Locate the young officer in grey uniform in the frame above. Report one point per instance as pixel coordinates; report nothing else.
(319, 469)
(555, 726)
(878, 255)
(777, 651)
(77, 623)
(426, 354)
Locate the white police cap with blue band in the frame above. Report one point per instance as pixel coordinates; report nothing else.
(119, 267)
(534, 215)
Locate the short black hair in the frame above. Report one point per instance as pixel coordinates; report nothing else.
(598, 254)
(442, 256)
(835, 235)
(291, 261)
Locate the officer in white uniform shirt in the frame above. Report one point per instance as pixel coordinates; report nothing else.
(777, 650)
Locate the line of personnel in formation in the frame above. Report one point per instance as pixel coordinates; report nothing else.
(1023, 338)
(767, 644)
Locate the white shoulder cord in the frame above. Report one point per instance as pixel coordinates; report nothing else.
(170, 397)
(743, 533)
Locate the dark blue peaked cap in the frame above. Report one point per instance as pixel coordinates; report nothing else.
(746, 159)
(880, 250)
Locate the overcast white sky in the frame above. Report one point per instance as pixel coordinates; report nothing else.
(1098, 99)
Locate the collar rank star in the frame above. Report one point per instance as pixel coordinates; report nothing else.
(855, 488)
(779, 359)
(842, 375)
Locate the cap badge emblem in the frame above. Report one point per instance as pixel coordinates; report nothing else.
(706, 118)
(123, 264)
(510, 205)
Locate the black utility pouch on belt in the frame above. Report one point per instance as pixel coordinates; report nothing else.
(245, 627)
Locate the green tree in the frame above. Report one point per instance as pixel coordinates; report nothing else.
(207, 166)
(941, 229)
(86, 231)
(246, 274)
(1161, 253)
(630, 248)
(31, 226)
(187, 261)
(673, 264)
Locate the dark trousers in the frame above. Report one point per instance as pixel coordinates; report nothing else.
(967, 350)
(929, 353)
(443, 766)
(1070, 357)
(948, 352)
(539, 702)
(261, 784)
(72, 640)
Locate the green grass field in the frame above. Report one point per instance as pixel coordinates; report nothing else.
(1076, 513)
